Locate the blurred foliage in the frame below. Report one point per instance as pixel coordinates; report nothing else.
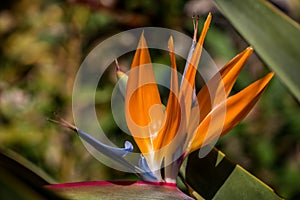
(43, 44)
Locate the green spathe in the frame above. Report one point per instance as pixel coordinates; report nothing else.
(118, 190)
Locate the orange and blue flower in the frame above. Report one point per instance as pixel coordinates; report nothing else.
(166, 135)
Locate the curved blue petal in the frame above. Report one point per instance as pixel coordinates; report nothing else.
(128, 147)
(147, 175)
(114, 153)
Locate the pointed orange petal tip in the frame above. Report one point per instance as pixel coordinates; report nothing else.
(171, 44)
(205, 29)
(142, 42)
(249, 50)
(269, 76)
(246, 53)
(209, 16)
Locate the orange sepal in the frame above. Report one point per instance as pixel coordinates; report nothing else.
(173, 112)
(188, 82)
(228, 114)
(219, 86)
(143, 109)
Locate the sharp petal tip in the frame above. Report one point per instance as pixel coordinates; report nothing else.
(247, 52)
(250, 49)
(142, 42)
(209, 15)
(171, 43)
(205, 29)
(270, 75)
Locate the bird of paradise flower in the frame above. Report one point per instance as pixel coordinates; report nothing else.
(166, 135)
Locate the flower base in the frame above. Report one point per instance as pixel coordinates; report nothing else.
(118, 190)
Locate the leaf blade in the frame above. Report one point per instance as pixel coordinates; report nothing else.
(216, 177)
(274, 36)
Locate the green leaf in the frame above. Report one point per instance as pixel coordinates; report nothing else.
(216, 177)
(18, 181)
(274, 36)
(118, 190)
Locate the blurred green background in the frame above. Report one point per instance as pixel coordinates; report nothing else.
(43, 44)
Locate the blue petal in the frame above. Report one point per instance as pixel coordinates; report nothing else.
(114, 153)
(191, 51)
(147, 175)
(128, 147)
(117, 154)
